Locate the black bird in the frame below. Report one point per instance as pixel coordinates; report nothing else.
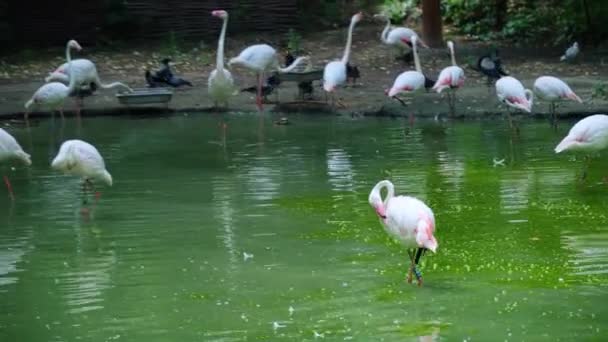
(272, 83)
(84, 91)
(305, 88)
(428, 83)
(165, 76)
(491, 66)
(352, 73)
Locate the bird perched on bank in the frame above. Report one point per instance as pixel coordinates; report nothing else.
(408, 220)
(570, 53)
(352, 73)
(491, 66)
(164, 76)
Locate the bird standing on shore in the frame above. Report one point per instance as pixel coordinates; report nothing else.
(398, 37)
(553, 89)
(450, 78)
(491, 66)
(511, 92)
(570, 53)
(408, 220)
(221, 83)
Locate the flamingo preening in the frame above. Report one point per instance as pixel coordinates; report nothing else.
(80, 158)
(9, 150)
(588, 135)
(262, 58)
(84, 72)
(54, 94)
(452, 78)
(512, 93)
(553, 89)
(335, 72)
(398, 37)
(406, 219)
(221, 84)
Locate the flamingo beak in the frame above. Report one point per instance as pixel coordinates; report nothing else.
(381, 212)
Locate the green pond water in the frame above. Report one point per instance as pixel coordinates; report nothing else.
(523, 248)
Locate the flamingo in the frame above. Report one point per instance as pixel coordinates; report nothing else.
(84, 71)
(588, 135)
(451, 77)
(408, 220)
(570, 53)
(553, 89)
(409, 81)
(82, 159)
(262, 58)
(398, 37)
(221, 84)
(335, 72)
(511, 92)
(53, 94)
(9, 150)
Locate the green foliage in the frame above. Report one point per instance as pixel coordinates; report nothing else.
(397, 10)
(170, 45)
(294, 40)
(600, 91)
(551, 21)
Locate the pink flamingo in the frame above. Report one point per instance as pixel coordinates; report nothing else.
(408, 220)
(452, 78)
(262, 58)
(553, 89)
(398, 37)
(334, 73)
(588, 135)
(9, 150)
(409, 81)
(512, 93)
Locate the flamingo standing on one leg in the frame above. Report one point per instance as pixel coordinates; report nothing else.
(53, 94)
(553, 89)
(10, 149)
(335, 73)
(408, 220)
(451, 77)
(588, 135)
(77, 157)
(398, 37)
(512, 93)
(84, 71)
(262, 58)
(409, 81)
(221, 84)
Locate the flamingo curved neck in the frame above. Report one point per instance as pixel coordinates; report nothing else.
(452, 54)
(72, 84)
(416, 59)
(387, 28)
(390, 190)
(220, 47)
(292, 66)
(349, 41)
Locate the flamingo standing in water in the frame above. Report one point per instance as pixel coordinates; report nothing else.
(221, 84)
(262, 58)
(80, 158)
(84, 71)
(398, 37)
(512, 93)
(9, 150)
(335, 73)
(409, 81)
(588, 135)
(553, 89)
(408, 220)
(53, 94)
(452, 78)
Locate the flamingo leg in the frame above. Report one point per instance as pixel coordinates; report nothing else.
(9, 187)
(411, 268)
(258, 99)
(419, 253)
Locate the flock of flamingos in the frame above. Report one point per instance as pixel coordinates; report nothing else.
(407, 219)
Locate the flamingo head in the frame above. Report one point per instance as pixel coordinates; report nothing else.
(393, 91)
(424, 236)
(220, 14)
(357, 17)
(376, 202)
(329, 87)
(72, 44)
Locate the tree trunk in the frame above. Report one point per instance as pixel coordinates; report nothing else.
(431, 22)
(501, 13)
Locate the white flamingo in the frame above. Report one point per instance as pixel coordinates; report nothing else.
(588, 135)
(398, 37)
(262, 58)
(85, 72)
(221, 84)
(334, 73)
(406, 219)
(553, 89)
(512, 93)
(54, 94)
(451, 77)
(9, 150)
(80, 158)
